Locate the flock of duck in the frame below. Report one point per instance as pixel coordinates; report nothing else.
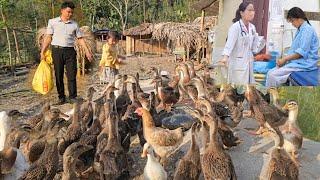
(92, 141)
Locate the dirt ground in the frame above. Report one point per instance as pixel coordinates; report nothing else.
(16, 92)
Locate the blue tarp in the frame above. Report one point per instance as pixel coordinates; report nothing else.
(305, 78)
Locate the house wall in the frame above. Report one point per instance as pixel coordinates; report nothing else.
(228, 11)
(145, 44)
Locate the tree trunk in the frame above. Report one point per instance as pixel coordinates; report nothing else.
(17, 46)
(8, 38)
(52, 8)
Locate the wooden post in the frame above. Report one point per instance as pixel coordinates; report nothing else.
(17, 45)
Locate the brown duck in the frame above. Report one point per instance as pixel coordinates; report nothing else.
(113, 159)
(263, 112)
(281, 166)
(74, 130)
(215, 162)
(189, 166)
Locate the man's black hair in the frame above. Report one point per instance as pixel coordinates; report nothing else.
(67, 5)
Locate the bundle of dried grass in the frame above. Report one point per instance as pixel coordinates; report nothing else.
(40, 36)
(90, 42)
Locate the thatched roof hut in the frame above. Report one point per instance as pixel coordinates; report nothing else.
(181, 34)
(141, 30)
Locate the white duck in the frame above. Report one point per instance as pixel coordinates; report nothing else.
(153, 169)
(4, 128)
(13, 159)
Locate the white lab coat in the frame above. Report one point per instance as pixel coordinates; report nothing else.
(240, 47)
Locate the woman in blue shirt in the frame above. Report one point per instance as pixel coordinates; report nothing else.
(303, 54)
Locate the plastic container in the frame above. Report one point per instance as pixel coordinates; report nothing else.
(263, 67)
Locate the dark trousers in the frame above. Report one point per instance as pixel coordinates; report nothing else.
(65, 57)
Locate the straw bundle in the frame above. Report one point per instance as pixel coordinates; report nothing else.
(90, 42)
(40, 36)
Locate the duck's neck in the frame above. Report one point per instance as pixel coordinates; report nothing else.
(292, 118)
(213, 135)
(147, 120)
(278, 138)
(275, 99)
(200, 89)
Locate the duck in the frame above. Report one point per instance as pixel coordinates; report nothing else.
(199, 84)
(47, 166)
(135, 79)
(189, 166)
(113, 159)
(281, 166)
(266, 114)
(5, 127)
(118, 81)
(13, 164)
(71, 158)
(123, 100)
(215, 162)
(291, 131)
(163, 141)
(105, 94)
(34, 120)
(74, 130)
(87, 108)
(167, 95)
(274, 95)
(153, 169)
(158, 73)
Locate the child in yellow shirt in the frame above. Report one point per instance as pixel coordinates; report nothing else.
(110, 61)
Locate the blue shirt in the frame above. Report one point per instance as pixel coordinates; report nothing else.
(63, 33)
(306, 44)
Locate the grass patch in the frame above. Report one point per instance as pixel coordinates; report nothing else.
(309, 108)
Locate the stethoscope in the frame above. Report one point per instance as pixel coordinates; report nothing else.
(242, 31)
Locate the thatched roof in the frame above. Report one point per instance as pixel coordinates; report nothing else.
(209, 21)
(181, 34)
(203, 4)
(143, 29)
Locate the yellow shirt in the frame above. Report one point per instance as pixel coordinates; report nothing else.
(109, 57)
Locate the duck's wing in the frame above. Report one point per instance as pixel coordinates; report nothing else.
(165, 137)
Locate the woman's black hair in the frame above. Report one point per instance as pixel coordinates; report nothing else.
(242, 7)
(297, 13)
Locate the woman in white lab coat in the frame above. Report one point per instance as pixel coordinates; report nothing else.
(241, 43)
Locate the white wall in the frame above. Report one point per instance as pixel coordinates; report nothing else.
(279, 30)
(225, 21)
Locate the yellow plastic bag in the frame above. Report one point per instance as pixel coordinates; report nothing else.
(43, 80)
(48, 57)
